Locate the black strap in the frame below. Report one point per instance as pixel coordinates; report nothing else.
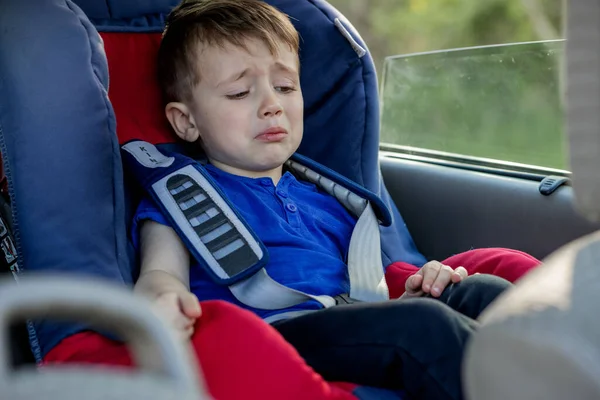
(8, 253)
(20, 348)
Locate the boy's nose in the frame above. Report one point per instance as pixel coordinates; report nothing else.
(271, 108)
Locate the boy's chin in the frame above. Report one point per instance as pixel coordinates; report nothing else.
(266, 167)
(274, 161)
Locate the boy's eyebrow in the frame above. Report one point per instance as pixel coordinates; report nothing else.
(281, 66)
(239, 75)
(234, 77)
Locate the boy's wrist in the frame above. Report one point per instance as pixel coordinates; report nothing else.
(154, 284)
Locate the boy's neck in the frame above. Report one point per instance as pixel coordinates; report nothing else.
(274, 174)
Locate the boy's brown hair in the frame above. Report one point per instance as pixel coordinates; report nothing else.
(214, 23)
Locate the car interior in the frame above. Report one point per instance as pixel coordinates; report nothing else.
(77, 81)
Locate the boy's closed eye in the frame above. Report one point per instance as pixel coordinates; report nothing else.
(285, 89)
(238, 96)
(243, 94)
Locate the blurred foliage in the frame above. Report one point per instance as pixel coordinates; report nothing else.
(499, 103)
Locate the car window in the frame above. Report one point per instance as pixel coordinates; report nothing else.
(472, 79)
(498, 102)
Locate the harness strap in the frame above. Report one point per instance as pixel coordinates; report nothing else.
(262, 291)
(213, 231)
(365, 271)
(341, 299)
(365, 268)
(286, 315)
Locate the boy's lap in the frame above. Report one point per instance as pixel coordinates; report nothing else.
(387, 323)
(474, 294)
(228, 342)
(389, 344)
(420, 327)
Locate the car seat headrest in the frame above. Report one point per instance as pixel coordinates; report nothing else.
(118, 9)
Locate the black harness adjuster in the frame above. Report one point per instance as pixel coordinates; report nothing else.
(344, 298)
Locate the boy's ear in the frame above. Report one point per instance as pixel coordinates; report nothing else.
(182, 121)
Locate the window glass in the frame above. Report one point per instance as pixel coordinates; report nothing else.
(499, 102)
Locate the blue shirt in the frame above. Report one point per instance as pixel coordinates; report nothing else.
(305, 230)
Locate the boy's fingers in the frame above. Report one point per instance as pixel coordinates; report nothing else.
(441, 281)
(183, 334)
(190, 306)
(459, 274)
(181, 322)
(413, 283)
(430, 273)
(187, 333)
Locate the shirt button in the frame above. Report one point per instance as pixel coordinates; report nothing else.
(266, 182)
(281, 193)
(291, 207)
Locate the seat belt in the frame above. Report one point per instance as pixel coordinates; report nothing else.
(365, 267)
(226, 246)
(366, 283)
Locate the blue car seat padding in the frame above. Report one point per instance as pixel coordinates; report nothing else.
(59, 148)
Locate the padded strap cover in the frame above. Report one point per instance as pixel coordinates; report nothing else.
(189, 197)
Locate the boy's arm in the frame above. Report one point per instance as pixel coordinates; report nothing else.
(164, 261)
(164, 274)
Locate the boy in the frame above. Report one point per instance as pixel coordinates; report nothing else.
(229, 71)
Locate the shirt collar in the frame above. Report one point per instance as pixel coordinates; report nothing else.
(286, 179)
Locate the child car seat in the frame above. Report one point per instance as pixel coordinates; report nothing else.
(57, 127)
(338, 80)
(339, 86)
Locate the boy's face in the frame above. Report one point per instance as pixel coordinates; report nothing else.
(247, 109)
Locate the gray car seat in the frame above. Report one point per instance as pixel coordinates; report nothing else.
(165, 369)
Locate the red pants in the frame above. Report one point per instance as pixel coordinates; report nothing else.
(244, 358)
(505, 263)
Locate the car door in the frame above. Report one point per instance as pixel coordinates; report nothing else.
(473, 151)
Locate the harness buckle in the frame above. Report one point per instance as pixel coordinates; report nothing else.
(344, 298)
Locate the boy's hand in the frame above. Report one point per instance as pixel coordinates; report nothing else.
(179, 310)
(433, 278)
